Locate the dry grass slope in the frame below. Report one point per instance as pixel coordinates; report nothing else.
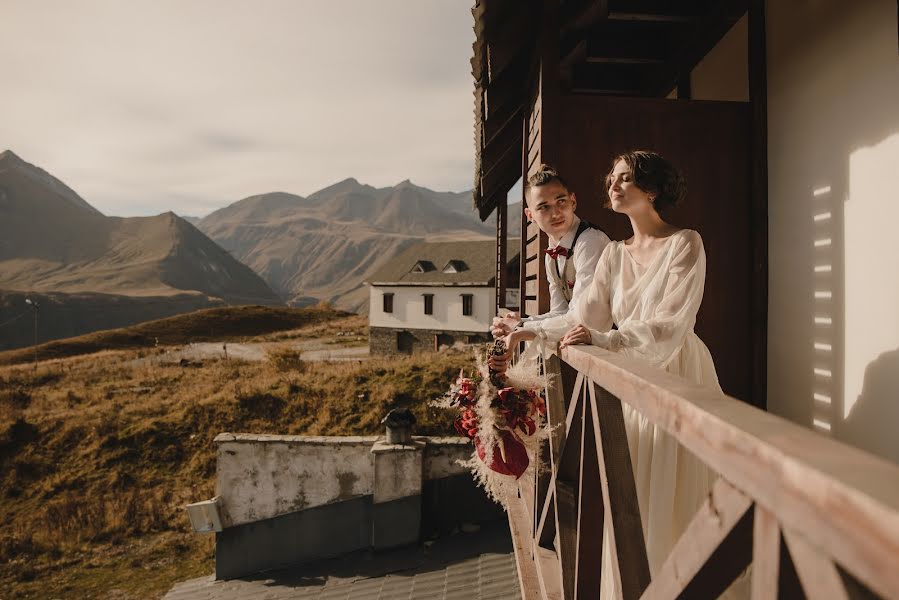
(99, 453)
(213, 324)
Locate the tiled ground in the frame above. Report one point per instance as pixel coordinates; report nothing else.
(477, 566)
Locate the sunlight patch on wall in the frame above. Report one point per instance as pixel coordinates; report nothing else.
(871, 262)
(822, 395)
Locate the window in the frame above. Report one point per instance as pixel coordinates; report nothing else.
(388, 302)
(429, 303)
(467, 305)
(455, 266)
(423, 266)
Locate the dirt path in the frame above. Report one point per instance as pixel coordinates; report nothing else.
(312, 350)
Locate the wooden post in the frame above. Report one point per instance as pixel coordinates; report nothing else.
(502, 270)
(765, 555)
(619, 493)
(758, 98)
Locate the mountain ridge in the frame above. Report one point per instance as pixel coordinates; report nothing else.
(52, 244)
(323, 246)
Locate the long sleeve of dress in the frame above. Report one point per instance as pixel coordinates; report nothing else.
(658, 334)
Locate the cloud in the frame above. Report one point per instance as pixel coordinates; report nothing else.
(149, 106)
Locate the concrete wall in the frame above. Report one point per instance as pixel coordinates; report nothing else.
(263, 476)
(833, 156)
(408, 308)
(291, 499)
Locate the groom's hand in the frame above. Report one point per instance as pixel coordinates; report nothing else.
(503, 326)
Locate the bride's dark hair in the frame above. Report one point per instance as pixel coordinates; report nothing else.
(655, 175)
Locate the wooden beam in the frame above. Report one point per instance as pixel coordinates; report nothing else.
(712, 523)
(507, 88)
(509, 42)
(616, 60)
(491, 128)
(502, 175)
(650, 17)
(765, 555)
(619, 494)
(548, 97)
(548, 573)
(567, 523)
(545, 534)
(645, 40)
(570, 58)
(590, 517)
(519, 527)
(614, 76)
(507, 138)
(758, 98)
(817, 573)
(556, 413)
(633, 93)
(502, 269)
(583, 16)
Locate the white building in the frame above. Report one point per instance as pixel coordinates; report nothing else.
(436, 294)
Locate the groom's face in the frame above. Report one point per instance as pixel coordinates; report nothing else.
(551, 207)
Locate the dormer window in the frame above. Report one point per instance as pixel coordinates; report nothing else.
(423, 266)
(455, 266)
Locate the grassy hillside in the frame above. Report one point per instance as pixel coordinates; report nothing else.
(213, 324)
(99, 453)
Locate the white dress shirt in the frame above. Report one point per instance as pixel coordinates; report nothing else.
(586, 253)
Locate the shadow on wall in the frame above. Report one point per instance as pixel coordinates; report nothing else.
(833, 205)
(872, 422)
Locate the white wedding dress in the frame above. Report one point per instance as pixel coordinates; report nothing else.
(654, 307)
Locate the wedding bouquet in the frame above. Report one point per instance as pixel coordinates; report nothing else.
(504, 415)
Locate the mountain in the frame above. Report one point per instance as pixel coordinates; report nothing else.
(53, 242)
(323, 246)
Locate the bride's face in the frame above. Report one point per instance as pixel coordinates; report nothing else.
(624, 194)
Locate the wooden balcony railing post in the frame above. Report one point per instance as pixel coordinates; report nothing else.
(619, 493)
(765, 555)
(558, 524)
(591, 513)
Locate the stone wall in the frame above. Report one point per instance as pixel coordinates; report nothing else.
(387, 340)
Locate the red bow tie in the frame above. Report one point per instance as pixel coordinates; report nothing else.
(557, 251)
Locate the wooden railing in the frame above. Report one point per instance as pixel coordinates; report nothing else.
(814, 517)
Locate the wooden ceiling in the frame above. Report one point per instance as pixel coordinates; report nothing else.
(637, 48)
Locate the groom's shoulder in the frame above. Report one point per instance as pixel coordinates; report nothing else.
(594, 237)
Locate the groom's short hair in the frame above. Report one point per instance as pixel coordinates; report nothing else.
(544, 175)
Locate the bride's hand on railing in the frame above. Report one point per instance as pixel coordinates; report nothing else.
(576, 336)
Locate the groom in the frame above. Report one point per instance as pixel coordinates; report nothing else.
(574, 248)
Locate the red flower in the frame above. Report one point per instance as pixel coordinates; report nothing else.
(509, 455)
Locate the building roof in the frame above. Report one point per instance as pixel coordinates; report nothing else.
(479, 565)
(610, 48)
(470, 263)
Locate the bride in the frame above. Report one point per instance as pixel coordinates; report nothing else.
(650, 288)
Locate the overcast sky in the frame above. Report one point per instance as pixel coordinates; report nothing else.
(144, 106)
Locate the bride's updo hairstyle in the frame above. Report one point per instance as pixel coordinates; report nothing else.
(654, 175)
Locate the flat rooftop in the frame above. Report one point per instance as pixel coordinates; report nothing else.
(473, 566)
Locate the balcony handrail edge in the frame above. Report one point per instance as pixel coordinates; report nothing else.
(806, 479)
